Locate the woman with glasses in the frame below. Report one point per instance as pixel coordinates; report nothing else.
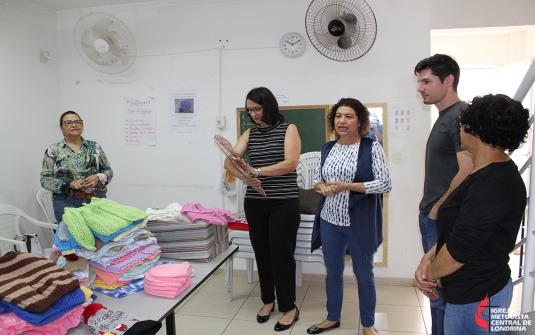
(478, 222)
(74, 169)
(274, 147)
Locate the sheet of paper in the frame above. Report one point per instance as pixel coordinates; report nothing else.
(183, 110)
(139, 120)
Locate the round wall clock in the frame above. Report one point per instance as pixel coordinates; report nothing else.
(293, 44)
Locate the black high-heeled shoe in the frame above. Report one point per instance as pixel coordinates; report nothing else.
(264, 318)
(280, 327)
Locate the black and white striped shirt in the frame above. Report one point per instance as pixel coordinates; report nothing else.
(266, 147)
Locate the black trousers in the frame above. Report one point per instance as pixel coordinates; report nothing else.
(273, 225)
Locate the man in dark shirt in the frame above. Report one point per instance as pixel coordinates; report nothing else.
(446, 164)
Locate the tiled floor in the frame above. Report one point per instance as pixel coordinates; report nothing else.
(401, 310)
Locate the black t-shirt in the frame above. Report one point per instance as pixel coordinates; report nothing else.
(479, 221)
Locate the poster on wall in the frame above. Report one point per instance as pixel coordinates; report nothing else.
(283, 99)
(400, 121)
(140, 120)
(183, 110)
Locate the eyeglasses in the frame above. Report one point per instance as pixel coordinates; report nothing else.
(253, 110)
(69, 123)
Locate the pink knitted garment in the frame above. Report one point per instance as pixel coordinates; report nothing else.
(10, 324)
(111, 278)
(169, 271)
(166, 292)
(211, 215)
(168, 280)
(139, 255)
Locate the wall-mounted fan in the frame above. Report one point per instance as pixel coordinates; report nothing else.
(105, 42)
(342, 30)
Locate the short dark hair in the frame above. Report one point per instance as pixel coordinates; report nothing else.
(264, 97)
(362, 114)
(497, 120)
(67, 113)
(441, 66)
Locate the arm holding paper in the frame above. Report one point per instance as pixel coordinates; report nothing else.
(235, 164)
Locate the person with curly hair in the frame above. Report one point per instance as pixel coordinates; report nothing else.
(479, 221)
(350, 177)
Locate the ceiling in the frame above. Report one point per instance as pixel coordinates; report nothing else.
(76, 4)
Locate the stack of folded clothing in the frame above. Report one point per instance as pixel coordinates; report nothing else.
(37, 296)
(105, 245)
(181, 238)
(168, 280)
(128, 268)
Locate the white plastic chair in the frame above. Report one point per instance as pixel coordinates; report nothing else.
(44, 198)
(305, 180)
(10, 227)
(240, 238)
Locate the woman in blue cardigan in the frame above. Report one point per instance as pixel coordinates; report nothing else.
(350, 177)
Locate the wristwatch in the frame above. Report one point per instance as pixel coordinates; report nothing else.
(258, 172)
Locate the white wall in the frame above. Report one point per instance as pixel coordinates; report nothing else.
(480, 13)
(29, 100)
(178, 48)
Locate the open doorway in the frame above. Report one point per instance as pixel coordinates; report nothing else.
(492, 60)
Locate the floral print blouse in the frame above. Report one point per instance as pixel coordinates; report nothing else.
(61, 165)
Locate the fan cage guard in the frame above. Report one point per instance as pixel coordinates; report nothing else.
(362, 33)
(122, 45)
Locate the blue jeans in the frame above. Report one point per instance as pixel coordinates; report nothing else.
(64, 200)
(335, 240)
(461, 319)
(429, 231)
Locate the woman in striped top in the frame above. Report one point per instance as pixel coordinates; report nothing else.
(274, 147)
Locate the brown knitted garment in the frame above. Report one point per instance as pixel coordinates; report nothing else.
(33, 283)
(71, 266)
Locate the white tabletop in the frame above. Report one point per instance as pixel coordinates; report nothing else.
(158, 308)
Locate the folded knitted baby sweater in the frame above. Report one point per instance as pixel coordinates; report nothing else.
(33, 283)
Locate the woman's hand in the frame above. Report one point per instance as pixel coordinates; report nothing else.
(336, 186)
(90, 181)
(324, 189)
(76, 184)
(251, 181)
(428, 288)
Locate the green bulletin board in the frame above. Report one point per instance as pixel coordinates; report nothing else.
(311, 123)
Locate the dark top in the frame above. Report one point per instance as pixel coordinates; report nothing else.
(479, 221)
(441, 165)
(266, 147)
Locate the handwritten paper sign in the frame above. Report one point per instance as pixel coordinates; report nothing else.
(139, 120)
